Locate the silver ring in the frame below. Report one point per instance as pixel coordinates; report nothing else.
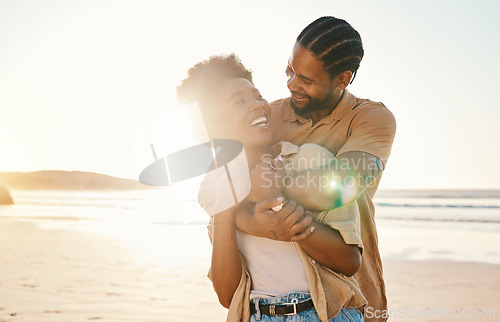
(278, 207)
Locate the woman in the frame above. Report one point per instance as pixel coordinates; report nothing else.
(307, 271)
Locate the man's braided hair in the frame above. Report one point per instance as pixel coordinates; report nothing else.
(335, 42)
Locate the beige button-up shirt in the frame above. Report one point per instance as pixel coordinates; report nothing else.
(354, 125)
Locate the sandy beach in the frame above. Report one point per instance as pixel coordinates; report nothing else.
(62, 275)
(442, 290)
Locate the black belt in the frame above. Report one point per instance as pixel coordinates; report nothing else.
(282, 309)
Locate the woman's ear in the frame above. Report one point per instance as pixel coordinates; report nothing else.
(343, 80)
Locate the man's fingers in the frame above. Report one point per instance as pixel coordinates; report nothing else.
(279, 167)
(303, 235)
(301, 226)
(265, 164)
(278, 164)
(295, 216)
(300, 237)
(287, 209)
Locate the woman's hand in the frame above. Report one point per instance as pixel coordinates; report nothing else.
(266, 180)
(290, 223)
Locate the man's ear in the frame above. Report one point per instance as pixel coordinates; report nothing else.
(343, 79)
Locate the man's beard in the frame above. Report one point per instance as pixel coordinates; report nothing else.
(312, 105)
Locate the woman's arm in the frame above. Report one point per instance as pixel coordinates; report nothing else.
(226, 264)
(326, 245)
(292, 223)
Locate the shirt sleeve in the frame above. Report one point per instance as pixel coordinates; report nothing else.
(372, 130)
(346, 219)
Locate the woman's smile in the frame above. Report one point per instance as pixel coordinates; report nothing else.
(260, 121)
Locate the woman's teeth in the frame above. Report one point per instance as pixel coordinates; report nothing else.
(259, 121)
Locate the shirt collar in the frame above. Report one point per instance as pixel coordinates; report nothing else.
(345, 105)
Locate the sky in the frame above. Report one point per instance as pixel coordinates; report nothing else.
(77, 77)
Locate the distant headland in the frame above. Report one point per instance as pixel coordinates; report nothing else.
(62, 180)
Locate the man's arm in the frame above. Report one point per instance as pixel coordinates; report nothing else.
(371, 132)
(351, 173)
(292, 223)
(316, 190)
(328, 248)
(341, 182)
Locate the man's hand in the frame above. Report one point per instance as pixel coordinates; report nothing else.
(290, 223)
(266, 180)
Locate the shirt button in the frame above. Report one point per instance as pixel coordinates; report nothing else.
(313, 261)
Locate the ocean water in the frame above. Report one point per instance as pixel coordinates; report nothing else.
(461, 225)
(155, 226)
(474, 206)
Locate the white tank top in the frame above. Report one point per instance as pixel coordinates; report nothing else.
(274, 266)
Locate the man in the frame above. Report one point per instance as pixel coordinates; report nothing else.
(324, 61)
(359, 132)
